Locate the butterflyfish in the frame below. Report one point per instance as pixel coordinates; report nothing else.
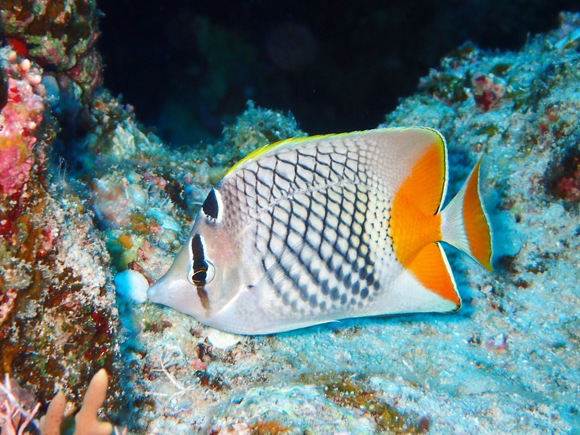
(313, 230)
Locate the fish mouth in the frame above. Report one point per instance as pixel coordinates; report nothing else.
(153, 292)
(159, 292)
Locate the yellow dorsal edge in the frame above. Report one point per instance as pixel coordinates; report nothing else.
(265, 148)
(299, 140)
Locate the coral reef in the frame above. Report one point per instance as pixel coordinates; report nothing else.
(58, 35)
(473, 372)
(90, 200)
(57, 304)
(348, 391)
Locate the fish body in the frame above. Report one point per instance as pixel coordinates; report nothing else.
(313, 230)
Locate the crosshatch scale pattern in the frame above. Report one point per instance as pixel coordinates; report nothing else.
(319, 219)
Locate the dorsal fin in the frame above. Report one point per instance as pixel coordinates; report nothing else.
(425, 183)
(394, 153)
(265, 149)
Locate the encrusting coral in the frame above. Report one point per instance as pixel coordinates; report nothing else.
(20, 117)
(57, 302)
(57, 34)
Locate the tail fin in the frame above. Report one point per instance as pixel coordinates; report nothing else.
(464, 223)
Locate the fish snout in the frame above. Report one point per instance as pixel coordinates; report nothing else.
(154, 292)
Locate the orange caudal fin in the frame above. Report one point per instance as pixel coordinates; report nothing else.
(464, 223)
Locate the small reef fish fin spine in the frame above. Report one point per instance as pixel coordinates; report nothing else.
(416, 225)
(464, 223)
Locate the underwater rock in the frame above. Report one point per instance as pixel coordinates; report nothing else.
(52, 90)
(507, 360)
(222, 340)
(110, 203)
(58, 35)
(57, 305)
(138, 195)
(63, 318)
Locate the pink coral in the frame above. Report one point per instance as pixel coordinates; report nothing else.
(13, 169)
(15, 415)
(18, 121)
(487, 90)
(110, 202)
(569, 188)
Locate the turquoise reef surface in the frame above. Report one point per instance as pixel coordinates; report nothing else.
(116, 209)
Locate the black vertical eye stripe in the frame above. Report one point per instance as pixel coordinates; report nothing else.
(211, 206)
(199, 270)
(199, 263)
(197, 248)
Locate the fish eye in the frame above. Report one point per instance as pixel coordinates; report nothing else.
(202, 270)
(210, 273)
(203, 274)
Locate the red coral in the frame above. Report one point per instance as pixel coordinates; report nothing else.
(18, 46)
(569, 188)
(487, 91)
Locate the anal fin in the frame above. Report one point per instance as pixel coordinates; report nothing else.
(432, 271)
